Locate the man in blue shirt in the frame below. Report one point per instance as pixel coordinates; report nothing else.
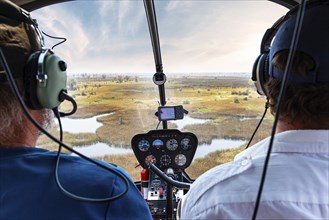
(29, 188)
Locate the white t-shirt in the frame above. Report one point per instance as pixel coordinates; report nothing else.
(296, 185)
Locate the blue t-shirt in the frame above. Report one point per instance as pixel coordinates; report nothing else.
(28, 188)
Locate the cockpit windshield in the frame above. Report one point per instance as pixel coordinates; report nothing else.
(208, 49)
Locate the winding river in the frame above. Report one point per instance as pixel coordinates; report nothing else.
(100, 149)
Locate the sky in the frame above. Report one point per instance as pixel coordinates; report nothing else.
(112, 36)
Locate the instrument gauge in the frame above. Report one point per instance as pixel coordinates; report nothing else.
(143, 145)
(186, 144)
(180, 159)
(172, 144)
(165, 160)
(150, 159)
(158, 144)
(156, 183)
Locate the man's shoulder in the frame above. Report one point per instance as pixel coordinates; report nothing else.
(84, 169)
(80, 177)
(222, 172)
(72, 161)
(72, 170)
(216, 178)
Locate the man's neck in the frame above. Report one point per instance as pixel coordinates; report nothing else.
(27, 138)
(286, 125)
(24, 136)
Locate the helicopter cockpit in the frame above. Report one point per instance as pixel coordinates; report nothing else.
(163, 88)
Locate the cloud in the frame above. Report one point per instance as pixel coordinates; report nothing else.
(195, 35)
(63, 23)
(105, 7)
(210, 36)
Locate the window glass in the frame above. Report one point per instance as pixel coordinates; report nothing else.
(208, 50)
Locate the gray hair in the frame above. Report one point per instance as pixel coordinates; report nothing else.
(12, 117)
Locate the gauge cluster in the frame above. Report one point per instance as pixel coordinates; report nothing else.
(165, 148)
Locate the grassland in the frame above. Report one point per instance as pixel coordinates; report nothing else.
(224, 100)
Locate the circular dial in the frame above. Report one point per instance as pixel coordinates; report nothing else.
(157, 143)
(156, 183)
(165, 160)
(150, 159)
(143, 145)
(172, 144)
(180, 159)
(186, 144)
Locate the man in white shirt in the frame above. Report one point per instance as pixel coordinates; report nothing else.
(296, 185)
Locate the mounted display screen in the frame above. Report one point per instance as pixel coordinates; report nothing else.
(170, 112)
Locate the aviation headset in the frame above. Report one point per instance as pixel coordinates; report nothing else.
(313, 41)
(43, 73)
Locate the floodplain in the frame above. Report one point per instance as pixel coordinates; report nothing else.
(230, 105)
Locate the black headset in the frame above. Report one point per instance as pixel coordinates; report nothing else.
(44, 73)
(260, 71)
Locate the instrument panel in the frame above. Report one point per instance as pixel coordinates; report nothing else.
(165, 148)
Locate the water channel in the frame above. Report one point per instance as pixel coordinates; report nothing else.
(100, 149)
(82, 125)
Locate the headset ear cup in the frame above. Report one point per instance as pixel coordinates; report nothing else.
(254, 69)
(31, 69)
(48, 93)
(45, 94)
(260, 73)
